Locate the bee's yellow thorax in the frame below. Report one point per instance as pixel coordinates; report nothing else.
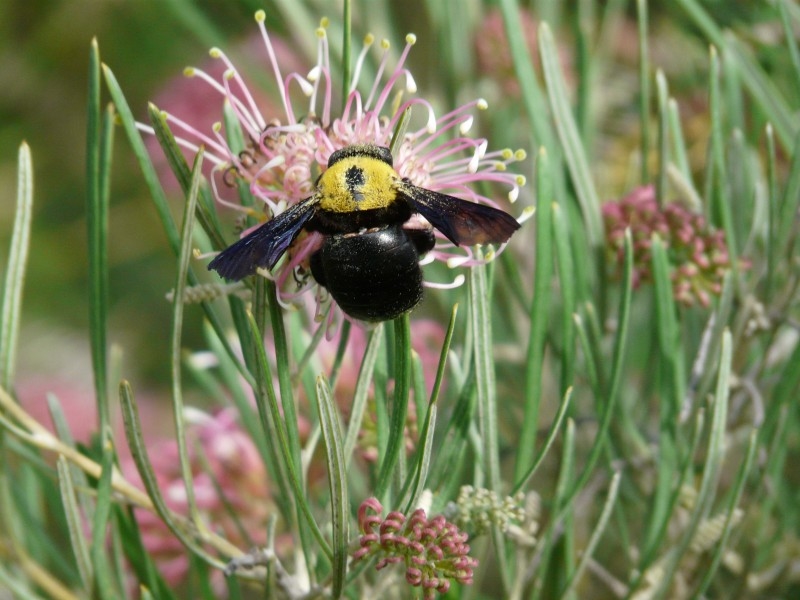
(357, 183)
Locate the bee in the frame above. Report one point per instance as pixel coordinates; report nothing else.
(372, 235)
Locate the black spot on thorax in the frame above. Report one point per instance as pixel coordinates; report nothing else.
(354, 179)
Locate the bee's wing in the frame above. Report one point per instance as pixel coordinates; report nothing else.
(461, 221)
(264, 246)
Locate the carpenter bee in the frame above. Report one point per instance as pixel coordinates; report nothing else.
(369, 257)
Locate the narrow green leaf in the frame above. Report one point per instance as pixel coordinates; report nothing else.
(585, 61)
(418, 476)
(791, 42)
(772, 212)
(266, 395)
(669, 336)
(532, 95)
(361, 393)
(548, 442)
(402, 385)
(663, 511)
(344, 338)
(347, 40)
(399, 131)
(140, 560)
(746, 220)
(565, 262)
(591, 545)
(184, 257)
(138, 448)
(17, 584)
(248, 417)
(486, 388)
(15, 269)
(337, 480)
(758, 83)
(99, 143)
(282, 354)
(271, 430)
(704, 368)
(592, 356)
(733, 503)
(711, 470)
(63, 433)
(539, 313)
(309, 352)
(763, 89)
(574, 153)
(617, 368)
(450, 458)
(550, 569)
(644, 93)
(718, 194)
(783, 396)
(672, 381)
(679, 150)
(790, 201)
(732, 99)
(160, 200)
(103, 584)
(77, 534)
(143, 158)
(662, 94)
(486, 391)
(177, 163)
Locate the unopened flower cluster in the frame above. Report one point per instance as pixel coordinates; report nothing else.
(697, 251)
(282, 155)
(434, 551)
(480, 509)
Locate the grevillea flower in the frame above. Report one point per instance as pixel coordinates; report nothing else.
(229, 488)
(284, 154)
(697, 251)
(434, 551)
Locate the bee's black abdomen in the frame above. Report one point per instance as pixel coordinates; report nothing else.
(373, 276)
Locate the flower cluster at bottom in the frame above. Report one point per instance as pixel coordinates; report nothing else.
(434, 551)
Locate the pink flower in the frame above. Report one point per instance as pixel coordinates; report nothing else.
(434, 551)
(283, 155)
(188, 97)
(697, 251)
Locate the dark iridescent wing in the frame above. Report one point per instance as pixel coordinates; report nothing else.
(462, 222)
(264, 246)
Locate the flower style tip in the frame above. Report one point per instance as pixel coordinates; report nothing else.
(434, 551)
(283, 155)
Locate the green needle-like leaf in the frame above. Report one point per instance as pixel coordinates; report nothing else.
(80, 549)
(337, 480)
(101, 567)
(574, 153)
(99, 142)
(15, 269)
(402, 385)
(539, 313)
